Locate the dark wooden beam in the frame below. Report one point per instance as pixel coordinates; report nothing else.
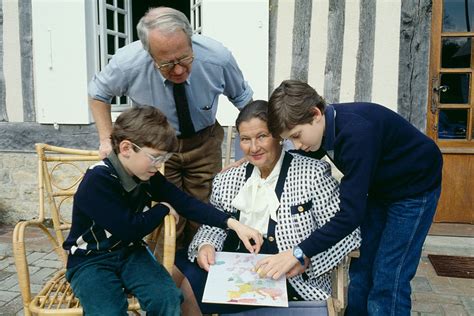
(333, 69)
(301, 40)
(415, 34)
(365, 52)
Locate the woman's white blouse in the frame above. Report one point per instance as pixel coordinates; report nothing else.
(257, 200)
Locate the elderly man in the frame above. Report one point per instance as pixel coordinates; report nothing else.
(183, 75)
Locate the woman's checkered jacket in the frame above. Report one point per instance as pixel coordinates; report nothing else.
(309, 199)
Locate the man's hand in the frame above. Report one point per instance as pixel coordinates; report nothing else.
(206, 257)
(280, 264)
(246, 234)
(103, 122)
(105, 148)
(234, 164)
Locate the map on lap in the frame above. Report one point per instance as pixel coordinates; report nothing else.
(232, 281)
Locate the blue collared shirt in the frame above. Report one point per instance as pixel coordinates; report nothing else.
(131, 72)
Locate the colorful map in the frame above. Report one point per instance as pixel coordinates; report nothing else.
(232, 281)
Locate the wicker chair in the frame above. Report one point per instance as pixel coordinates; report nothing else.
(60, 170)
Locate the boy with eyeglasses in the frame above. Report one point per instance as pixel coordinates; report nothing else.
(390, 188)
(112, 212)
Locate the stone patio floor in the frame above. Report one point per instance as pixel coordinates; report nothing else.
(432, 294)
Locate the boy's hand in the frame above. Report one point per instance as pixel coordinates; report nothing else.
(172, 212)
(234, 164)
(246, 234)
(206, 257)
(280, 264)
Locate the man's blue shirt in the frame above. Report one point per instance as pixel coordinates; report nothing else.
(131, 72)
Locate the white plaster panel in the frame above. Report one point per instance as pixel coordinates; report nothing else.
(349, 57)
(12, 61)
(318, 44)
(284, 41)
(242, 26)
(386, 54)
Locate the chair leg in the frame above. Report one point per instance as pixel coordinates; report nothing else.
(330, 306)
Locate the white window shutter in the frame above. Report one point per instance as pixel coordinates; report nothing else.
(60, 61)
(70, 44)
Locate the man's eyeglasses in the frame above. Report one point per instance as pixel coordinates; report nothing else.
(158, 160)
(167, 67)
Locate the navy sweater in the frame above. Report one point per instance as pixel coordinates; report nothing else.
(381, 155)
(113, 210)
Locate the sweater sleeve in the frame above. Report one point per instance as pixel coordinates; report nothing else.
(164, 191)
(358, 157)
(325, 195)
(100, 197)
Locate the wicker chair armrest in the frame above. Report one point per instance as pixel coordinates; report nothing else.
(168, 230)
(169, 242)
(19, 253)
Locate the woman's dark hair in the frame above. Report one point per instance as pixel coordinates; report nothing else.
(255, 109)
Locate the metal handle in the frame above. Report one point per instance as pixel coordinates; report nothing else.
(441, 89)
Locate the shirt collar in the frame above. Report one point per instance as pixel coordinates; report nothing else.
(127, 181)
(330, 129)
(167, 82)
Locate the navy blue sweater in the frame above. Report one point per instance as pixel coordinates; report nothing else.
(113, 210)
(381, 155)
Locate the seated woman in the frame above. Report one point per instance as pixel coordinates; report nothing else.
(286, 197)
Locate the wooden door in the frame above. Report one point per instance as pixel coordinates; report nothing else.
(451, 108)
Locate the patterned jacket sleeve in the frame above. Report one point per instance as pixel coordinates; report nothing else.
(326, 192)
(208, 234)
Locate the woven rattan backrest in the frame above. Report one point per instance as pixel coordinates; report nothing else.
(60, 170)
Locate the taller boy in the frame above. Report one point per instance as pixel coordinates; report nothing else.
(391, 186)
(157, 71)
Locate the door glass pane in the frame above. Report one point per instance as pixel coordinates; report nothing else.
(456, 88)
(456, 52)
(121, 23)
(472, 125)
(458, 15)
(110, 44)
(452, 124)
(110, 20)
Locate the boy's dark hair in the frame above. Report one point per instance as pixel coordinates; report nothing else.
(291, 104)
(145, 126)
(255, 109)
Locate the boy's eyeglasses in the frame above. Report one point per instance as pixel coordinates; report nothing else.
(158, 160)
(167, 67)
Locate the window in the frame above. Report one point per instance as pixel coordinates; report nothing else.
(114, 31)
(196, 15)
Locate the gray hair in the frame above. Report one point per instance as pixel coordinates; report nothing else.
(165, 19)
